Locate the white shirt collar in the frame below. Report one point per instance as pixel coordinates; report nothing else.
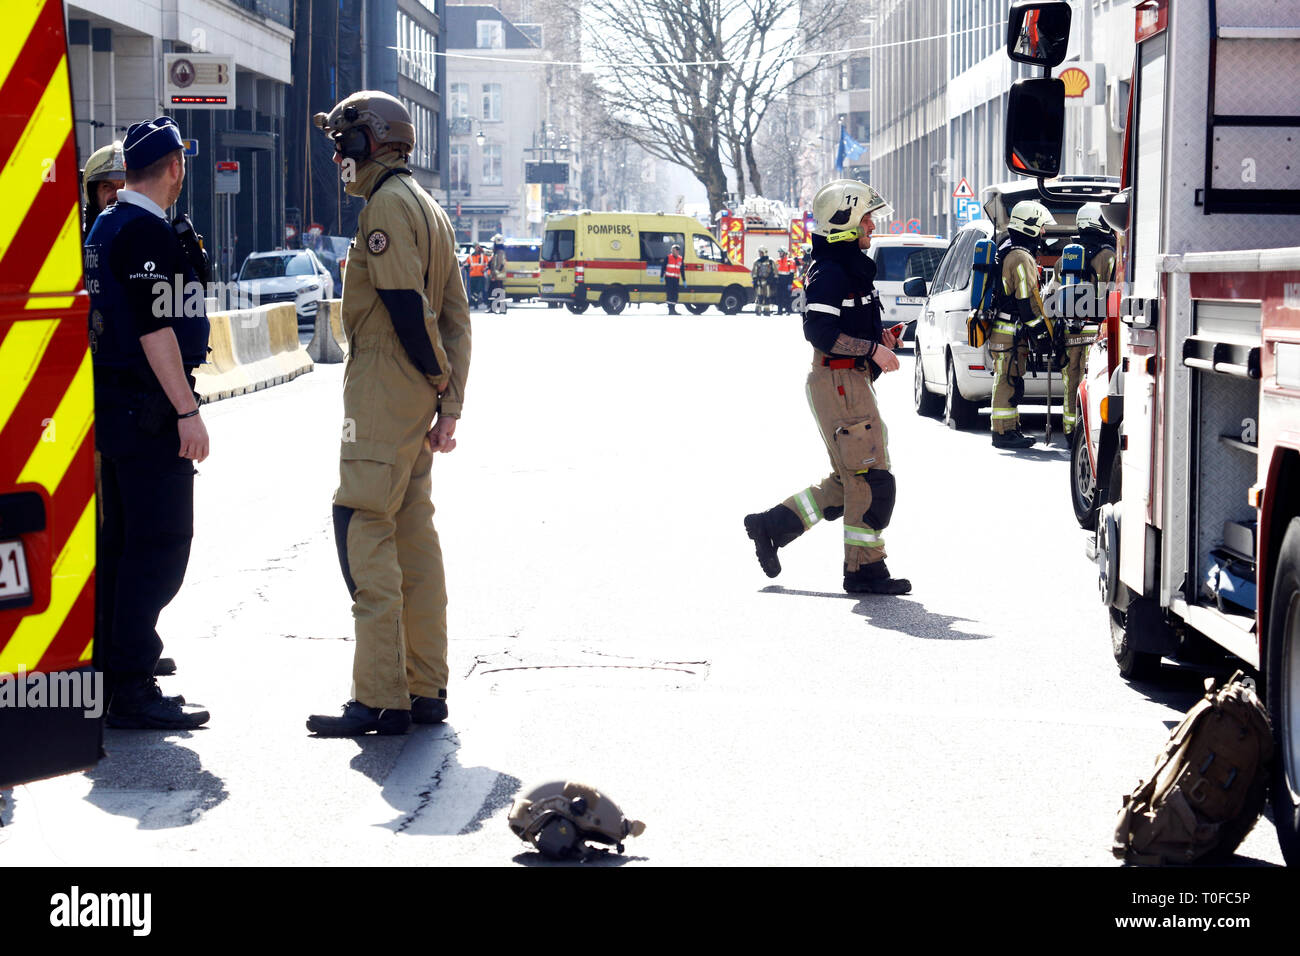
(141, 200)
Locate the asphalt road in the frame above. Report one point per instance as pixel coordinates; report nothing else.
(610, 624)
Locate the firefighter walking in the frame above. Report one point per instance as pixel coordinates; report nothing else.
(850, 350)
(406, 317)
(1098, 272)
(1021, 320)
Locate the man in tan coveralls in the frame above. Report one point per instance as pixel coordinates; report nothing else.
(407, 323)
(1019, 304)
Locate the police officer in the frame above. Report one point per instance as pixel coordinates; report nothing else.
(1021, 319)
(104, 175)
(764, 275)
(1098, 272)
(673, 266)
(850, 350)
(406, 316)
(148, 429)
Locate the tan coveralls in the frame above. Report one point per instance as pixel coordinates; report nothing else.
(1020, 282)
(383, 513)
(1079, 335)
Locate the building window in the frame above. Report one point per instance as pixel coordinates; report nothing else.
(860, 73)
(491, 165)
(860, 127)
(458, 167)
(459, 100)
(491, 35)
(492, 101)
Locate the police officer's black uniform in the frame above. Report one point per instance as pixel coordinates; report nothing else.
(147, 489)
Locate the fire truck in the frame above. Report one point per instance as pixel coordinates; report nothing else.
(761, 223)
(48, 720)
(1198, 435)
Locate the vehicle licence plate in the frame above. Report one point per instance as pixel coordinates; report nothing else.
(908, 300)
(15, 585)
(548, 288)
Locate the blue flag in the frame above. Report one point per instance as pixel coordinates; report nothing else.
(849, 149)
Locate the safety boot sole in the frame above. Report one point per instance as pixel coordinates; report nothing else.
(764, 547)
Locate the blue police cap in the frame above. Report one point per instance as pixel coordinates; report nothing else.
(147, 143)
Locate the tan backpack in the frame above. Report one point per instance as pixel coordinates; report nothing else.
(1209, 784)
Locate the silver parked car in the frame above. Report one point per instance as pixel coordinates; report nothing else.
(287, 275)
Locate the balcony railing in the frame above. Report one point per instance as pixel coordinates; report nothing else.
(277, 11)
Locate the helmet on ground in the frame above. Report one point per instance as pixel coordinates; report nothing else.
(1029, 217)
(107, 162)
(1089, 217)
(384, 115)
(559, 818)
(839, 206)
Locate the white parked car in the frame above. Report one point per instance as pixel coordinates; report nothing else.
(287, 275)
(899, 258)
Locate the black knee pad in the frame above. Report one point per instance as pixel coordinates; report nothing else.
(883, 489)
(343, 518)
(1017, 391)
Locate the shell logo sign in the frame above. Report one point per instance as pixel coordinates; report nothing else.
(1076, 82)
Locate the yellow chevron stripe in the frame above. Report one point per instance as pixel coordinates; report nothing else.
(51, 302)
(30, 167)
(62, 268)
(20, 17)
(36, 633)
(67, 428)
(20, 353)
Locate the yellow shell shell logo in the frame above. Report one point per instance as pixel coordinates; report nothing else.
(1076, 81)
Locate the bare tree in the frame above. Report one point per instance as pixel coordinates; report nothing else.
(695, 77)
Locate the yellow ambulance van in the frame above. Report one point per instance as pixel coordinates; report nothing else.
(613, 258)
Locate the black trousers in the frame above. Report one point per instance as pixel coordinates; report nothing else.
(147, 499)
(670, 289)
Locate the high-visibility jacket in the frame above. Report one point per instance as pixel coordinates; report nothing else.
(673, 267)
(477, 264)
(785, 265)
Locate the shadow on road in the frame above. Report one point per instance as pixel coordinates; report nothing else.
(905, 615)
(421, 777)
(154, 779)
(533, 858)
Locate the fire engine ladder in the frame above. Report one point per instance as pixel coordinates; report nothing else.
(1252, 133)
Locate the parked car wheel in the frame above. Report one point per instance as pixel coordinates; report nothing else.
(614, 300)
(958, 412)
(579, 307)
(732, 301)
(696, 308)
(925, 402)
(1083, 484)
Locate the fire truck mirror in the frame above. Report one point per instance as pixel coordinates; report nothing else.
(1038, 31)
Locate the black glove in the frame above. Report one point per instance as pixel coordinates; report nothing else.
(192, 243)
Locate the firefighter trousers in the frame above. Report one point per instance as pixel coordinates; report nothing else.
(860, 487)
(1009, 359)
(1076, 355)
(392, 563)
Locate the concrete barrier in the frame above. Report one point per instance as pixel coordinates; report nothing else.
(328, 343)
(251, 349)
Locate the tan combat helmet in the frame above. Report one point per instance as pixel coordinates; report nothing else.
(559, 818)
(107, 162)
(384, 115)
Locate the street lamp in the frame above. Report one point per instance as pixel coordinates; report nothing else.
(479, 137)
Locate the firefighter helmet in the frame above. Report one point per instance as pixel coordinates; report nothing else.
(107, 162)
(1089, 217)
(560, 817)
(384, 115)
(1029, 217)
(762, 250)
(839, 206)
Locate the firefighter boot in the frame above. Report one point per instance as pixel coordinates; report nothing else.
(139, 704)
(1012, 439)
(428, 710)
(359, 719)
(874, 579)
(772, 529)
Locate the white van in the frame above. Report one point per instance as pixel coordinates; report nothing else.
(899, 258)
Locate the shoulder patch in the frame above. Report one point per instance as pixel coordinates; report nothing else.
(377, 242)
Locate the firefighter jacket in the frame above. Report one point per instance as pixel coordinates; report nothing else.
(841, 298)
(403, 297)
(1018, 296)
(785, 266)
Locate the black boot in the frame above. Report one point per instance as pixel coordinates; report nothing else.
(359, 719)
(428, 710)
(874, 579)
(1012, 439)
(772, 529)
(138, 704)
